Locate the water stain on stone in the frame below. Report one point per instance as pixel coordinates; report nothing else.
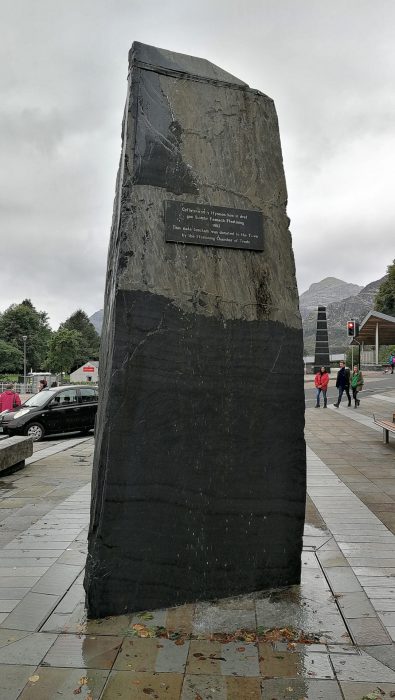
(7, 485)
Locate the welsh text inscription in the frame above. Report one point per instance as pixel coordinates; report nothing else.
(205, 224)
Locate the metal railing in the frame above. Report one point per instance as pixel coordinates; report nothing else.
(19, 388)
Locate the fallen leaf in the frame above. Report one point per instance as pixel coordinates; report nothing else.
(145, 616)
(174, 635)
(179, 642)
(148, 691)
(77, 690)
(240, 649)
(33, 679)
(83, 680)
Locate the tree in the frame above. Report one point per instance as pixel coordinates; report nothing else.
(385, 298)
(384, 353)
(90, 339)
(23, 319)
(63, 350)
(11, 359)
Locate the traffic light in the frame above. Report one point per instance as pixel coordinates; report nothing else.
(352, 328)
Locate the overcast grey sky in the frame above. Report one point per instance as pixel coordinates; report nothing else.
(329, 66)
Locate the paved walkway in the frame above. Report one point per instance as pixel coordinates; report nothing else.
(330, 638)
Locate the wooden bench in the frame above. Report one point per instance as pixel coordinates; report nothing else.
(387, 425)
(13, 452)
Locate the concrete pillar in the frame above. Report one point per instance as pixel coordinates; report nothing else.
(377, 343)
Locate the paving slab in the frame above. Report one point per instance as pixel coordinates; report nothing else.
(31, 612)
(13, 680)
(53, 683)
(296, 689)
(361, 690)
(285, 663)
(361, 667)
(29, 649)
(152, 655)
(127, 685)
(83, 651)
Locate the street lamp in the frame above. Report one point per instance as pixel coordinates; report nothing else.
(24, 338)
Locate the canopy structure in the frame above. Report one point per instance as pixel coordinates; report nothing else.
(376, 329)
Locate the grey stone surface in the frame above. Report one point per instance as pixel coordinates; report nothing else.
(13, 680)
(368, 631)
(283, 689)
(14, 450)
(28, 650)
(31, 612)
(201, 347)
(361, 667)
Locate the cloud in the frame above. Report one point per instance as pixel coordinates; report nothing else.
(63, 68)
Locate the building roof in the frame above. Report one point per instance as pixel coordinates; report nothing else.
(367, 329)
(93, 363)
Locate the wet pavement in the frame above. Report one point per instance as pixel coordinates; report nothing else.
(331, 638)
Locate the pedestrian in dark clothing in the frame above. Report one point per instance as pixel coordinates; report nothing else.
(42, 384)
(356, 384)
(343, 383)
(391, 362)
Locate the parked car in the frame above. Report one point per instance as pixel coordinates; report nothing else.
(61, 409)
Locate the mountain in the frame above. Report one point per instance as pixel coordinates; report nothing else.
(326, 292)
(343, 300)
(97, 320)
(338, 313)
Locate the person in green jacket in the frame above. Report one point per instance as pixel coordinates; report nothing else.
(356, 384)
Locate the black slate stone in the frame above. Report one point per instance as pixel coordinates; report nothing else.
(198, 487)
(321, 356)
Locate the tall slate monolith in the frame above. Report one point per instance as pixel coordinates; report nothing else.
(321, 357)
(199, 467)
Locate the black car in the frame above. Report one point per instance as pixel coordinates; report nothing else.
(62, 409)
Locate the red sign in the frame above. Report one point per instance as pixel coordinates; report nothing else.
(88, 369)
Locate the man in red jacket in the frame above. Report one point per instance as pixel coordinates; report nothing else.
(9, 399)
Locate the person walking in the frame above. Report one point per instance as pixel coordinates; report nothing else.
(391, 362)
(321, 381)
(9, 399)
(356, 384)
(343, 383)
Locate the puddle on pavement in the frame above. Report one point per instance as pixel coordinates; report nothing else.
(313, 518)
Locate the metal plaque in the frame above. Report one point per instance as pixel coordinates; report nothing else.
(205, 224)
